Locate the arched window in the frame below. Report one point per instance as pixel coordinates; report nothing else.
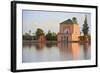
(66, 31)
(61, 37)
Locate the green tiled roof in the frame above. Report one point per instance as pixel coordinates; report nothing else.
(69, 21)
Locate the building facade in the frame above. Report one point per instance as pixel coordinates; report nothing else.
(41, 39)
(69, 31)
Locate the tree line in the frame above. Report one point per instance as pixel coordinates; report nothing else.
(50, 36)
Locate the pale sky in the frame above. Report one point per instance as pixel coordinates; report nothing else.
(49, 20)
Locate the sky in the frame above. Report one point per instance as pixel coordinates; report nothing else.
(50, 20)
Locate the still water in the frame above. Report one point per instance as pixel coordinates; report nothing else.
(44, 52)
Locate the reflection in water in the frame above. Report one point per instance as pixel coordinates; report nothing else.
(69, 50)
(87, 53)
(40, 52)
(75, 50)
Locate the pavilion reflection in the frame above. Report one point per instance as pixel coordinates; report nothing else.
(69, 51)
(65, 50)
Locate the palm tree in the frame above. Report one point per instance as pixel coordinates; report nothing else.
(39, 32)
(30, 32)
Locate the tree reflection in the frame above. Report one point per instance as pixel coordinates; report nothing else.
(65, 50)
(27, 44)
(86, 48)
(51, 44)
(39, 46)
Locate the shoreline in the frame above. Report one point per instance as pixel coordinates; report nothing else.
(35, 41)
